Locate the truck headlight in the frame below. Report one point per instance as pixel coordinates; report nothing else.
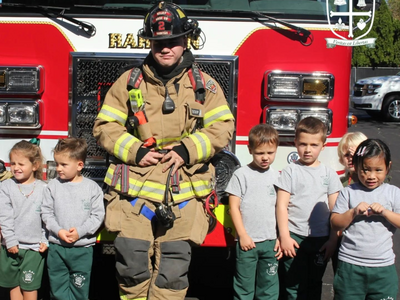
(2, 114)
(21, 114)
(285, 120)
(372, 87)
(304, 87)
(21, 80)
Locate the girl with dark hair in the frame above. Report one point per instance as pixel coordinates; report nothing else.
(368, 212)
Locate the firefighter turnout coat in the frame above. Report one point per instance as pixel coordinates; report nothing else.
(178, 127)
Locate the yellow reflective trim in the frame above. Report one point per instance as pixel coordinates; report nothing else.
(111, 114)
(221, 212)
(153, 190)
(203, 145)
(168, 141)
(221, 113)
(122, 296)
(122, 146)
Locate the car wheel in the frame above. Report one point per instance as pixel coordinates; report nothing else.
(391, 108)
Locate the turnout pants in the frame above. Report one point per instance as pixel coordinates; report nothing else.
(152, 262)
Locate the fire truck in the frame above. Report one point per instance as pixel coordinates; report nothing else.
(59, 58)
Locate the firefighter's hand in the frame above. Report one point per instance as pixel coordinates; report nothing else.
(172, 158)
(13, 250)
(43, 247)
(151, 158)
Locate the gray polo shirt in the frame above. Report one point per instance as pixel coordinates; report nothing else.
(309, 188)
(368, 241)
(257, 201)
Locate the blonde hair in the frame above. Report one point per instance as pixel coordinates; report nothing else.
(350, 140)
(33, 153)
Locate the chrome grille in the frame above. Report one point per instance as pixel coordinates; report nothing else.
(359, 90)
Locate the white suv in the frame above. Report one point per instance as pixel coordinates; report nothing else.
(378, 96)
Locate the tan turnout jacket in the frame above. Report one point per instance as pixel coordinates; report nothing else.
(168, 129)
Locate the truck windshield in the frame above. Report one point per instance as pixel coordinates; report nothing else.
(286, 9)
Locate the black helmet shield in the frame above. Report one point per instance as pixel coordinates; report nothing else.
(165, 21)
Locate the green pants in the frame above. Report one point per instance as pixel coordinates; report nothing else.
(256, 274)
(354, 282)
(302, 275)
(69, 272)
(23, 269)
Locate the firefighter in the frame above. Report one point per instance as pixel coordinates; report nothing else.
(162, 140)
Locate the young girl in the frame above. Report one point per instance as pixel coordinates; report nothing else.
(368, 212)
(24, 240)
(346, 148)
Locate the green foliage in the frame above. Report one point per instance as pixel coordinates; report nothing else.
(386, 30)
(394, 6)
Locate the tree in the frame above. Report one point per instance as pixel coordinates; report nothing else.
(394, 6)
(386, 31)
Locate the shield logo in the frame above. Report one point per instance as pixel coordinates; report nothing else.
(365, 18)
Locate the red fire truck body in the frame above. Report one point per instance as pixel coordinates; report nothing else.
(57, 63)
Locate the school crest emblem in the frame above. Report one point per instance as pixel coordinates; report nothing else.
(28, 276)
(272, 269)
(79, 280)
(365, 18)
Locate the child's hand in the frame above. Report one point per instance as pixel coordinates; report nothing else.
(352, 150)
(64, 235)
(361, 209)
(375, 209)
(329, 247)
(246, 243)
(278, 250)
(73, 235)
(43, 247)
(13, 250)
(288, 245)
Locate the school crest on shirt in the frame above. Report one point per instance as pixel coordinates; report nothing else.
(272, 269)
(79, 280)
(325, 180)
(388, 298)
(86, 204)
(28, 276)
(272, 191)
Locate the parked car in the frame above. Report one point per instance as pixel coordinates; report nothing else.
(378, 96)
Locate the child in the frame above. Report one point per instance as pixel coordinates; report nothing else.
(307, 193)
(24, 238)
(369, 212)
(72, 210)
(252, 200)
(346, 148)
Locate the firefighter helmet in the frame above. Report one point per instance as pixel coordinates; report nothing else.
(166, 21)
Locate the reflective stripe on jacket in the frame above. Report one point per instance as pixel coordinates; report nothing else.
(168, 129)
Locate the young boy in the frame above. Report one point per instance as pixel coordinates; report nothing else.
(252, 199)
(307, 191)
(72, 210)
